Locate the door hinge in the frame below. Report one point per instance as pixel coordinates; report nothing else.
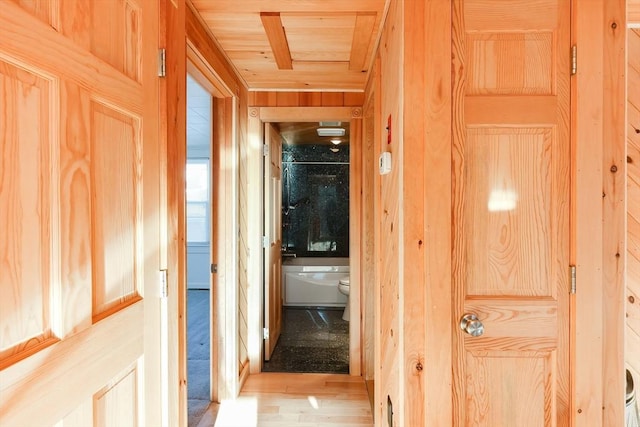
(214, 268)
(265, 150)
(265, 333)
(574, 60)
(162, 62)
(265, 242)
(164, 284)
(573, 278)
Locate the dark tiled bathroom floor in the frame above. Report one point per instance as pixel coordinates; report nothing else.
(312, 340)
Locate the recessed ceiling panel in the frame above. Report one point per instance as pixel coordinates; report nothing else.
(330, 43)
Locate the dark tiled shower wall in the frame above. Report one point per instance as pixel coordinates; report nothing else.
(315, 200)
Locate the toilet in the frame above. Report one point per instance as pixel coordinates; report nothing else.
(343, 287)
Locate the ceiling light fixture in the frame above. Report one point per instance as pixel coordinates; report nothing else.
(335, 141)
(330, 131)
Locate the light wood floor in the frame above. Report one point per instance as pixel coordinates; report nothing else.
(300, 400)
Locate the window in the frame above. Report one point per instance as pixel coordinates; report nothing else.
(198, 200)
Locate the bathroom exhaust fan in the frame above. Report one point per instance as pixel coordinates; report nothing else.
(329, 124)
(331, 132)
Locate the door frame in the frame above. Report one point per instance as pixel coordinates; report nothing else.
(257, 117)
(224, 225)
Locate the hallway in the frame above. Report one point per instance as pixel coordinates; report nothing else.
(300, 400)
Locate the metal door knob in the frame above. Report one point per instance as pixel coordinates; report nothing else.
(471, 325)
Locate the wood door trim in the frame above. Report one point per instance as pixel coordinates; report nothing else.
(598, 102)
(225, 376)
(256, 117)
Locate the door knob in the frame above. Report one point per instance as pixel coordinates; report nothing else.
(471, 325)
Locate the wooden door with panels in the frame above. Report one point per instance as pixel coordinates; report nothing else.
(273, 238)
(80, 304)
(511, 194)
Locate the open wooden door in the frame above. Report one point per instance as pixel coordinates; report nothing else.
(80, 310)
(273, 233)
(511, 166)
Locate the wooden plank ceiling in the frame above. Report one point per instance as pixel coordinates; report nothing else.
(297, 44)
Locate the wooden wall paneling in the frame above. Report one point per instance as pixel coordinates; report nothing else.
(263, 99)
(173, 117)
(368, 263)
(353, 99)
(428, 239)
(391, 292)
(306, 99)
(311, 99)
(332, 99)
(253, 213)
(243, 245)
(306, 114)
(287, 99)
(415, 244)
(614, 213)
(355, 247)
(633, 13)
(633, 204)
(588, 158)
(376, 86)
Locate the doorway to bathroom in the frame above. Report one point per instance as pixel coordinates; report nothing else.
(258, 323)
(306, 258)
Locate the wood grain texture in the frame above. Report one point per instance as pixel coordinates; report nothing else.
(362, 40)
(77, 359)
(306, 99)
(28, 196)
(427, 116)
(305, 400)
(356, 314)
(633, 13)
(633, 203)
(172, 137)
(116, 193)
(367, 263)
(390, 377)
(117, 403)
(92, 126)
(321, 45)
(589, 84)
(277, 39)
(245, 256)
(511, 214)
(273, 230)
(508, 199)
(614, 211)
